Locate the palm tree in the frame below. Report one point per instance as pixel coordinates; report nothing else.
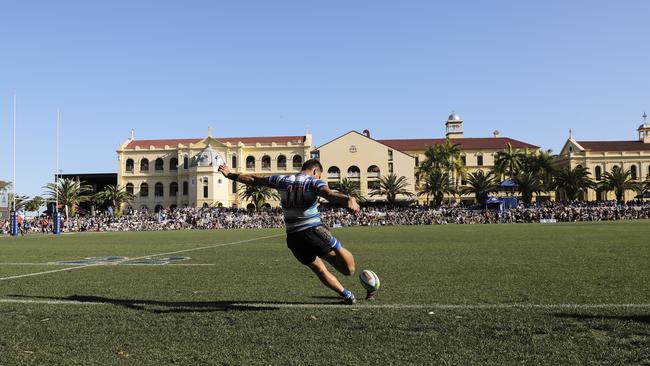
(460, 171)
(528, 183)
(258, 195)
(437, 183)
(572, 181)
(390, 186)
(4, 184)
(440, 157)
(351, 188)
(70, 194)
(115, 197)
(618, 181)
(508, 161)
(21, 201)
(481, 185)
(35, 204)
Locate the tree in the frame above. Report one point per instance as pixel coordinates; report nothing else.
(350, 188)
(70, 194)
(35, 204)
(115, 197)
(436, 184)
(481, 185)
(258, 195)
(4, 185)
(528, 183)
(508, 161)
(572, 181)
(439, 157)
(21, 201)
(618, 181)
(391, 186)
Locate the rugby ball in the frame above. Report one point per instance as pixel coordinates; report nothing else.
(369, 280)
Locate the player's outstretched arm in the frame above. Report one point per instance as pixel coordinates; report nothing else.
(340, 198)
(248, 179)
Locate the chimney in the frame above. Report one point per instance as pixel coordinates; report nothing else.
(366, 133)
(496, 133)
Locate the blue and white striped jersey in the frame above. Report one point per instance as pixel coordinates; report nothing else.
(299, 198)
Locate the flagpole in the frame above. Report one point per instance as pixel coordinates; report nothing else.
(14, 163)
(56, 174)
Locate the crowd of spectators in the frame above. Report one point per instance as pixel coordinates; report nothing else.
(232, 218)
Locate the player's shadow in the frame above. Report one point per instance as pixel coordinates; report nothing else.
(159, 307)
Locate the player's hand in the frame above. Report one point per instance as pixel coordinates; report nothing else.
(224, 169)
(353, 206)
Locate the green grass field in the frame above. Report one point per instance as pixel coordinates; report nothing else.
(451, 295)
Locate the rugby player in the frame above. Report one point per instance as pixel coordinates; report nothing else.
(308, 239)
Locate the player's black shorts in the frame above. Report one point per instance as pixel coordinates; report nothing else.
(310, 243)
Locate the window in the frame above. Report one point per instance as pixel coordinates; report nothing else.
(186, 162)
(234, 161)
(160, 165)
(354, 173)
(234, 187)
(173, 189)
(129, 165)
(373, 184)
(129, 188)
(479, 160)
(266, 162)
(250, 163)
(282, 162)
(390, 168)
(633, 172)
(144, 190)
(144, 165)
(158, 190)
(463, 160)
(334, 173)
(185, 188)
(390, 155)
(173, 164)
(373, 171)
(205, 187)
(598, 172)
(297, 162)
(417, 161)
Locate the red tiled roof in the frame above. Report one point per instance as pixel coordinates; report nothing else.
(614, 145)
(233, 140)
(466, 143)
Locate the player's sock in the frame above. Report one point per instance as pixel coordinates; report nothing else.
(335, 244)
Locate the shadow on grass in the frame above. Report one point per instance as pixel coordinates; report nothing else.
(160, 307)
(644, 319)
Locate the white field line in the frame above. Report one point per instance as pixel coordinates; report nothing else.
(124, 264)
(271, 305)
(136, 258)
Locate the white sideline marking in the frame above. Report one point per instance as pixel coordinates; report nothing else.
(347, 307)
(136, 258)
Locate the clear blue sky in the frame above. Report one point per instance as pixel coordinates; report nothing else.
(170, 69)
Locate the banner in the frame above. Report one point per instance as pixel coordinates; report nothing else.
(4, 199)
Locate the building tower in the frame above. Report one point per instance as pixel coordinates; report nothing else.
(454, 126)
(644, 130)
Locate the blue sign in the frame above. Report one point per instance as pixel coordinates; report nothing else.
(13, 218)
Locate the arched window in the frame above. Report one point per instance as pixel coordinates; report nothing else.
(173, 189)
(205, 187)
(282, 162)
(185, 189)
(266, 162)
(234, 161)
(144, 190)
(479, 160)
(250, 163)
(373, 171)
(334, 173)
(158, 208)
(160, 165)
(144, 165)
(158, 190)
(129, 165)
(297, 162)
(129, 188)
(186, 162)
(354, 172)
(173, 164)
(633, 172)
(599, 172)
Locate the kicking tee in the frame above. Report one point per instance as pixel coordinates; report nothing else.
(299, 199)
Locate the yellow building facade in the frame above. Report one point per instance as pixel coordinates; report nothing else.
(174, 173)
(602, 156)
